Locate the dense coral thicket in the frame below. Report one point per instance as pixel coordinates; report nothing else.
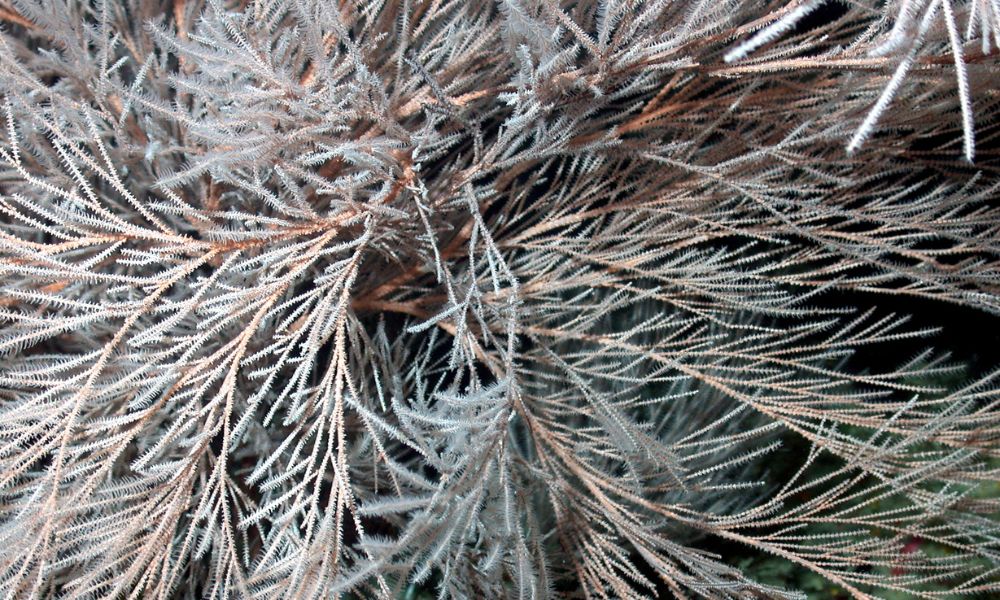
(495, 299)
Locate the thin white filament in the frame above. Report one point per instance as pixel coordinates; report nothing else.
(868, 125)
(968, 128)
(772, 31)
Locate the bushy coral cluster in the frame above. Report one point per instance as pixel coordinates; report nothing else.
(498, 299)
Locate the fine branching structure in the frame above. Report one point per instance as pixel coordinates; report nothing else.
(497, 298)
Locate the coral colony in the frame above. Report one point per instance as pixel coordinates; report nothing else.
(498, 298)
